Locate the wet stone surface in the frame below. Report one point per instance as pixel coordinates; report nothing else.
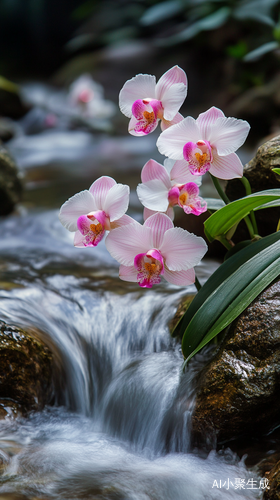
(26, 378)
(10, 183)
(239, 390)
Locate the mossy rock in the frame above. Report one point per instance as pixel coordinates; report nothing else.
(26, 372)
(260, 175)
(239, 390)
(10, 183)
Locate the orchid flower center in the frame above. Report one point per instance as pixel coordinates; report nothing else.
(150, 266)
(93, 226)
(189, 199)
(199, 156)
(147, 113)
(183, 198)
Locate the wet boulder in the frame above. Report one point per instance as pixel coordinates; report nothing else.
(261, 177)
(10, 183)
(239, 390)
(26, 372)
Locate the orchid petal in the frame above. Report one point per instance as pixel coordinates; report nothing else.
(122, 221)
(154, 170)
(80, 204)
(159, 224)
(181, 278)
(141, 127)
(116, 201)
(83, 224)
(148, 213)
(165, 124)
(153, 195)
(139, 87)
(173, 100)
(128, 273)
(181, 249)
(228, 134)
(173, 76)
(180, 173)
(206, 120)
(79, 240)
(226, 167)
(171, 142)
(100, 188)
(125, 242)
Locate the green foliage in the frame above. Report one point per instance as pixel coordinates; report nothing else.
(223, 220)
(228, 292)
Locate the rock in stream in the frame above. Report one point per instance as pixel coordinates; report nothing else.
(239, 389)
(26, 372)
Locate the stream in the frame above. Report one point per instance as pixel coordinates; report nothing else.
(120, 425)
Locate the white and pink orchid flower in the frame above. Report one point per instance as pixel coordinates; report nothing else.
(207, 143)
(161, 189)
(156, 249)
(146, 102)
(92, 212)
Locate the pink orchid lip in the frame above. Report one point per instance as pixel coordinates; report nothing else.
(93, 233)
(190, 201)
(199, 156)
(173, 195)
(102, 217)
(150, 266)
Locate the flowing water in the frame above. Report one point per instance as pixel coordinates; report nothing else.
(120, 425)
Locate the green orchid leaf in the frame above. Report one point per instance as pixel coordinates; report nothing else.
(256, 54)
(276, 170)
(248, 294)
(228, 216)
(228, 292)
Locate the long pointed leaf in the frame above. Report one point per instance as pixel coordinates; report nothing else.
(228, 290)
(221, 274)
(240, 303)
(224, 219)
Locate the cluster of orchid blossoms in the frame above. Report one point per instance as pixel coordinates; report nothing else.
(157, 248)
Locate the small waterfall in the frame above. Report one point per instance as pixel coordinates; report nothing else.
(120, 427)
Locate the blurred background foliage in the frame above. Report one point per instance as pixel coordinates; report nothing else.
(229, 49)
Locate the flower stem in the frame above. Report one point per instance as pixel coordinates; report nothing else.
(219, 189)
(197, 284)
(248, 190)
